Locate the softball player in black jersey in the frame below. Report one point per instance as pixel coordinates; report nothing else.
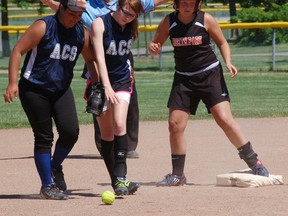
(198, 76)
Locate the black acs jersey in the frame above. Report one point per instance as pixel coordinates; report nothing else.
(50, 64)
(117, 44)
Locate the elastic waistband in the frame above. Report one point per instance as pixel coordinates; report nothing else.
(199, 71)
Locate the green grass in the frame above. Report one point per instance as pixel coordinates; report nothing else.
(253, 95)
(256, 92)
(246, 59)
(251, 59)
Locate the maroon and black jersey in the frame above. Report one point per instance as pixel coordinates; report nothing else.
(191, 42)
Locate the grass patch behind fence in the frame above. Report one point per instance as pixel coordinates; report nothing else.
(253, 95)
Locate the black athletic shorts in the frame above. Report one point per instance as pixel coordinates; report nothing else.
(208, 86)
(125, 85)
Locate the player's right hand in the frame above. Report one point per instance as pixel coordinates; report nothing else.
(111, 95)
(232, 69)
(11, 93)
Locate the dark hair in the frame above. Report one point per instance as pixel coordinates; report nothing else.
(176, 2)
(64, 3)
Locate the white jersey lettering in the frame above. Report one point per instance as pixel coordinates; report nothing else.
(67, 52)
(112, 48)
(73, 53)
(123, 49)
(129, 45)
(56, 52)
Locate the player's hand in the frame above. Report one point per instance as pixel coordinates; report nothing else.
(46, 2)
(111, 95)
(232, 69)
(132, 76)
(11, 93)
(154, 48)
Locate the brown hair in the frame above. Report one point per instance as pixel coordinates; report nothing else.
(137, 8)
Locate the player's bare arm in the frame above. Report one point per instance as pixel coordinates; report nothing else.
(159, 2)
(29, 39)
(54, 5)
(88, 55)
(97, 30)
(160, 36)
(217, 36)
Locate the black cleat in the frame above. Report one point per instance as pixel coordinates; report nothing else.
(58, 178)
(52, 192)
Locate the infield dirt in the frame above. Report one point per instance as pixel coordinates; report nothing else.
(208, 153)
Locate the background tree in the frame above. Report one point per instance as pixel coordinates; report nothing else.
(5, 21)
(263, 11)
(261, 3)
(5, 36)
(233, 19)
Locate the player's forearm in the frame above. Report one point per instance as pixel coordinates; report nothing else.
(225, 52)
(54, 5)
(14, 65)
(93, 71)
(104, 76)
(159, 2)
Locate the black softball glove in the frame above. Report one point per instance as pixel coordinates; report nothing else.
(96, 99)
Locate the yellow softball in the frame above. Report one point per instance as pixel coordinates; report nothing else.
(108, 197)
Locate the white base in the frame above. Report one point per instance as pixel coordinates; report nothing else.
(245, 178)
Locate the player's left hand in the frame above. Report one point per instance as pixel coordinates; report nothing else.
(232, 69)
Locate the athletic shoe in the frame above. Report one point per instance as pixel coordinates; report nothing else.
(132, 187)
(52, 192)
(125, 187)
(132, 154)
(58, 178)
(120, 188)
(259, 169)
(173, 180)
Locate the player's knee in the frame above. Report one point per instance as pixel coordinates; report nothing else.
(227, 124)
(43, 146)
(68, 138)
(43, 142)
(176, 127)
(119, 127)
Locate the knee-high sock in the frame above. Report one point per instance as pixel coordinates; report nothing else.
(59, 156)
(120, 152)
(108, 157)
(43, 165)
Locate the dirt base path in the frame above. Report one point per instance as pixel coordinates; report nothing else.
(208, 153)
